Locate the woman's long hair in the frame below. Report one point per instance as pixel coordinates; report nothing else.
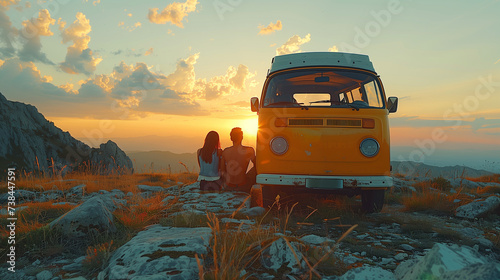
(211, 144)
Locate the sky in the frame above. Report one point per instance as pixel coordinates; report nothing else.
(147, 73)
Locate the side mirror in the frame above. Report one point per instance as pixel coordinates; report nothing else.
(392, 104)
(254, 104)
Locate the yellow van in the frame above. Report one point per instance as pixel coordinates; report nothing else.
(323, 128)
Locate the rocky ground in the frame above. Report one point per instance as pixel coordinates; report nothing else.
(327, 240)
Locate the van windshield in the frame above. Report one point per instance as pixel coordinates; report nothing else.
(323, 87)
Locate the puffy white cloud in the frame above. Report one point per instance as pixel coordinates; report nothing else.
(271, 28)
(293, 45)
(183, 80)
(333, 49)
(173, 13)
(31, 32)
(68, 87)
(184, 77)
(79, 58)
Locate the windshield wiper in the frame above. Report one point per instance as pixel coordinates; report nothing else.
(286, 103)
(352, 106)
(320, 101)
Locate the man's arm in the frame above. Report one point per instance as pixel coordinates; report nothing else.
(252, 156)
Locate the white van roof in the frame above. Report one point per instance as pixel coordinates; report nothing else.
(306, 59)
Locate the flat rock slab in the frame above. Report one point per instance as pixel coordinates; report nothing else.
(160, 253)
(444, 262)
(368, 273)
(478, 208)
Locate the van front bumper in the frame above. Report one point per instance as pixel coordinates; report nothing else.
(326, 182)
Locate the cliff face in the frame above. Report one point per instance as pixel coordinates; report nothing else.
(32, 143)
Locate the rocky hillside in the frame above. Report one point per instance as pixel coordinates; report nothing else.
(332, 240)
(32, 143)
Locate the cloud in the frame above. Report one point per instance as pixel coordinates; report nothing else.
(22, 79)
(31, 32)
(149, 52)
(242, 104)
(183, 80)
(333, 49)
(79, 58)
(94, 2)
(6, 3)
(293, 45)
(8, 36)
(271, 28)
(173, 13)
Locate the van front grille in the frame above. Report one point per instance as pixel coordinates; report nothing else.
(343, 122)
(305, 122)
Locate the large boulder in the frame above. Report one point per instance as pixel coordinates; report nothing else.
(478, 207)
(89, 219)
(109, 158)
(446, 262)
(160, 253)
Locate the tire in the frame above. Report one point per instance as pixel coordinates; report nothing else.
(372, 200)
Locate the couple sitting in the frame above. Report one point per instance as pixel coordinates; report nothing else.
(226, 169)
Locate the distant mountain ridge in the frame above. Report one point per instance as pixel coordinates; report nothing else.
(416, 169)
(32, 143)
(160, 161)
(163, 162)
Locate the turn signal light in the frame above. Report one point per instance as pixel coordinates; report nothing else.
(368, 123)
(281, 122)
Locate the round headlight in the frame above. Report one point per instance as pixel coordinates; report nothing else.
(279, 145)
(369, 147)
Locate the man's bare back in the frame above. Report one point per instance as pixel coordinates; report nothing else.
(236, 159)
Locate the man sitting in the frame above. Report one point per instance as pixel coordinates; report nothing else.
(235, 162)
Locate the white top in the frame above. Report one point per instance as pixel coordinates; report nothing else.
(207, 178)
(306, 59)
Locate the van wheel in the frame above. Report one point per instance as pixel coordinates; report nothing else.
(372, 200)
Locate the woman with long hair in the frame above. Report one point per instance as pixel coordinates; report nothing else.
(209, 160)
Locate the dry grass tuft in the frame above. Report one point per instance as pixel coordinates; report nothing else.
(141, 212)
(495, 178)
(97, 257)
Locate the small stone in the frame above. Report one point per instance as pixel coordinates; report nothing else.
(44, 275)
(362, 236)
(386, 261)
(407, 247)
(401, 256)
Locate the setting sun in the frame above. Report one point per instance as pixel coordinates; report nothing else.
(250, 127)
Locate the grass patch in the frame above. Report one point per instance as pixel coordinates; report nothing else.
(488, 190)
(97, 258)
(495, 178)
(185, 219)
(141, 212)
